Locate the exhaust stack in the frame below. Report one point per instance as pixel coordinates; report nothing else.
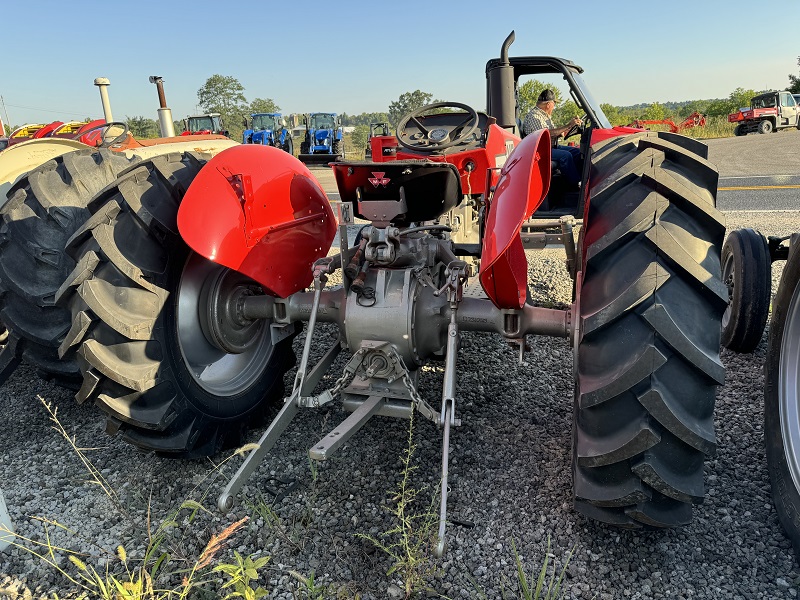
(103, 84)
(164, 114)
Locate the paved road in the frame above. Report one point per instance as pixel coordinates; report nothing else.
(758, 172)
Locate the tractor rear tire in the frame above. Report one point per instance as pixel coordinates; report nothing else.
(782, 399)
(288, 146)
(43, 210)
(338, 148)
(304, 148)
(650, 300)
(765, 126)
(135, 297)
(747, 273)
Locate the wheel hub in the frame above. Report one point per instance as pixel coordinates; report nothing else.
(220, 312)
(224, 353)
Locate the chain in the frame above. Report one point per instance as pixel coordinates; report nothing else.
(419, 403)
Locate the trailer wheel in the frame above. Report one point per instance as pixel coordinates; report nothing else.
(42, 211)
(149, 318)
(765, 126)
(739, 130)
(649, 304)
(782, 399)
(747, 273)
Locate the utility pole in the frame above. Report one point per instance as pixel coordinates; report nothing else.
(3, 102)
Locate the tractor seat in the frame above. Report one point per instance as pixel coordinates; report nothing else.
(399, 192)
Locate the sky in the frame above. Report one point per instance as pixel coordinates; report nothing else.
(359, 56)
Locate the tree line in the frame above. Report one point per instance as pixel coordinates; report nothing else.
(225, 95)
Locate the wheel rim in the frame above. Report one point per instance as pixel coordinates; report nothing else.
(789, 387)
(728, 279)
(216, 371)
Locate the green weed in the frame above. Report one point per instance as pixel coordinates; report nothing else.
(410, 542)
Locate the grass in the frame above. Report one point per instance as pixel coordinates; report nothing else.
(163, 572)
(410, 542)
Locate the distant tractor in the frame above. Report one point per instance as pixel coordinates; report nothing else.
(268, 129)
(375, 130)
(204, 125)
(324, 139)
(768, 112)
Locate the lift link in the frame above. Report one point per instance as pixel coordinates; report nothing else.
(456, 278)
(303, 384)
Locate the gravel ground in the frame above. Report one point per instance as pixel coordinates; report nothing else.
(509, 475)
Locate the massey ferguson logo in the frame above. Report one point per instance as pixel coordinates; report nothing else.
(378, 179)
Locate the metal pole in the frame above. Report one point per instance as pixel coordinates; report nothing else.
(5, 110)
(103, 84)
(164, 114)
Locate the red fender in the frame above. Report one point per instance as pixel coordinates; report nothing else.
(258, 210)
(47, 130)
(523, 184)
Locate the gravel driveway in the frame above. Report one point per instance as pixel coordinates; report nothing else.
(509, 475)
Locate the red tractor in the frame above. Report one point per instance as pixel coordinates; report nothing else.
(177, 294)
(207, 124)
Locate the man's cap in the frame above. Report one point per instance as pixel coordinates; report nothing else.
(547, 96)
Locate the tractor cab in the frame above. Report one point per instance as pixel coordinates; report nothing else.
(203, 125)
(505, 78)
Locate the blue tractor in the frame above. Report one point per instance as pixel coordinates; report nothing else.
(324, 141)
(268, 129)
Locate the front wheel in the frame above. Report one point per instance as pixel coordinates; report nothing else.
(649, 303)
(747, 273)
(288, 146)
(160, 353)
(782, 399)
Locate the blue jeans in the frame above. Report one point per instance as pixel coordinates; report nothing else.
(568, 158)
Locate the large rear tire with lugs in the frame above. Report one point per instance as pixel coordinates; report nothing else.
(141, 305)
(782, 398)
(650, 300)
(42, 211)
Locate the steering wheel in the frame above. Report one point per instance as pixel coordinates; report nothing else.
(103, 144)
(437, 138)
(575, 129)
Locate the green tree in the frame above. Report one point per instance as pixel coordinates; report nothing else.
(406, 103)
(225, 95)
(654, 112)
(739, 98)
(564, 112)
(142, 127)
(614, 114)
(794, 81)
(359, 137)
(264, 105)
(529, 93)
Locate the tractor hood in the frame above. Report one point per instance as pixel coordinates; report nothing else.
(322, 134)
(259, 210)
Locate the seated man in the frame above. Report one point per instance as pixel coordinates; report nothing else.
(567, 157)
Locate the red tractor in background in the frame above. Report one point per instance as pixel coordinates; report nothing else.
(175, 298)
(210, 123)
(768, 112)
